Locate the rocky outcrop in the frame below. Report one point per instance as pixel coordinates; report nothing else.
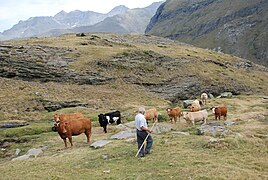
(44, 64)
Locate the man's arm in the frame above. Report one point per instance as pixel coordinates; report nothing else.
(146, 129)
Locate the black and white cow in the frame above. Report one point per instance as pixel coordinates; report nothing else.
(109, 118)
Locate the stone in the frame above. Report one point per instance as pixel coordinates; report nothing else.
(181, 133)
(100, 143)
(226, 95)
(212, 129)
(229, 123)
(187, 103)
(124, 134)
(17, 151)
(161, 128)
(32, 152)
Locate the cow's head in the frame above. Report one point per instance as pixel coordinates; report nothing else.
(57, 118)
(184, 114)
(102, 119)
(62, 127)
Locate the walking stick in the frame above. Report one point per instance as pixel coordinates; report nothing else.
(145, 139)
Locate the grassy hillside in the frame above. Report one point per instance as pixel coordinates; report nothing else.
(235, 155)
(146, 71)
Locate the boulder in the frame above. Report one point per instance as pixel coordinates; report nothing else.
(100, 143)
(187, 103)
(212, 129)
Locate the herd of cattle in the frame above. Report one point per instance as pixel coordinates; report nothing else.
(69, 125)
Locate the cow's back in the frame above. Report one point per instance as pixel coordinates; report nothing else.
(78, 126)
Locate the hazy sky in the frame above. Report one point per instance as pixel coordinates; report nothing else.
(12, 11)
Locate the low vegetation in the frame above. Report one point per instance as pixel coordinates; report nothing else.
(235, 155)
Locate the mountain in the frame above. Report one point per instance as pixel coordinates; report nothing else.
(132, 21)
(37, 26)
(235, 27)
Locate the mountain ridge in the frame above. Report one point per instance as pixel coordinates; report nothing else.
(83, 21)
(238, 28)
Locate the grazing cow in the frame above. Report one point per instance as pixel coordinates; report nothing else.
(151, 114)
(74, 127)
(204, 98)
(109, 118)
(219, 111)
(174, 113)
(192, 117)
(195, 106)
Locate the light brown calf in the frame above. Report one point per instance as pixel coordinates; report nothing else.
(174, 113)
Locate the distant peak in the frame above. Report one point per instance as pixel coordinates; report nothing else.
(119, 9)
(61, 13)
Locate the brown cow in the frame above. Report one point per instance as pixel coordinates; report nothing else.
(63, 117)
(219, 111)
(174, 113)
(74, 127)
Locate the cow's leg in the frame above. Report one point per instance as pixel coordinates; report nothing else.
(205, 121)
(215, 117)
(70, 139)
(175, 119)
(65, 143)
(88, 134)
(105, 128)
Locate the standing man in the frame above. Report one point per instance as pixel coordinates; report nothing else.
(142, 132)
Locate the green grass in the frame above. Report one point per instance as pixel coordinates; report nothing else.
(173, 156)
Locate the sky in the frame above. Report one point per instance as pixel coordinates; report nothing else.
(12, 11)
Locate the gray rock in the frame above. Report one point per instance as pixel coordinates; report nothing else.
(124, 134)
(122, 127)
(160, 128)
(229, 123)
(181, 133)
(213, 140)
(210, 96)
(17, 151)
(100, 143)
(226, 95)
(32, 152)
(212, 129)
(187, 103)
(130, 124)
(131, 140)
(265, 97)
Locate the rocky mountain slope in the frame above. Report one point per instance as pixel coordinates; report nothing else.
(233, 27)
(103, 71)
(132, 21)
(36, 26)
(119, 20)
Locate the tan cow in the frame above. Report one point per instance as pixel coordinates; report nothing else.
(74, 127)
(192, 117)
(151, 114)
(204, 98)
(195, 106)
(174, 113)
